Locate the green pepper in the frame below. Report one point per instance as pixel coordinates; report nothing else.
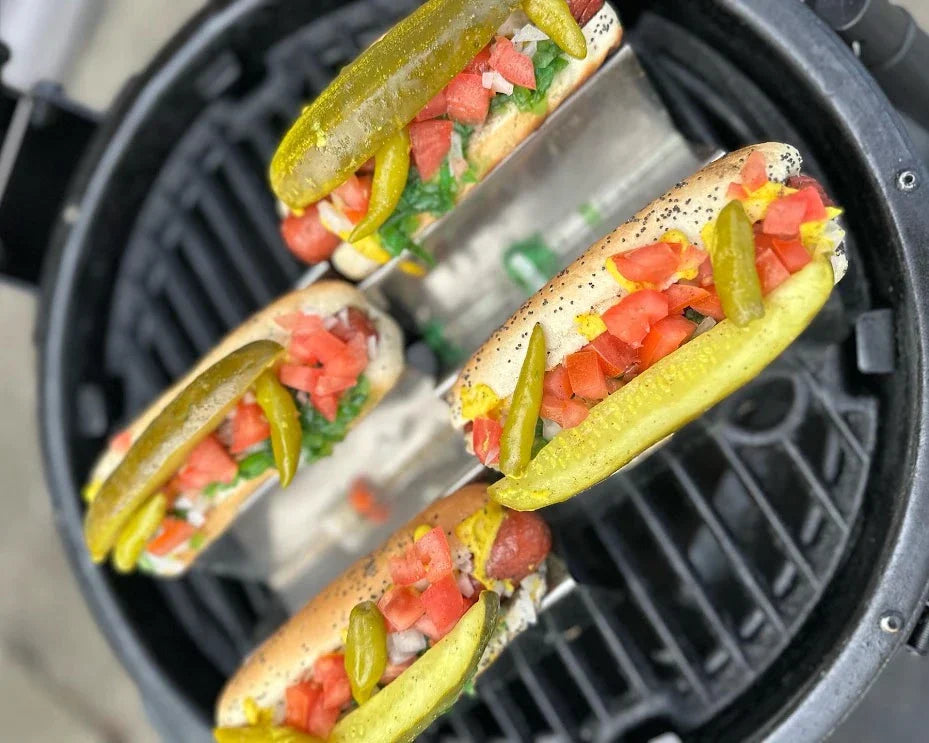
(519, 430)
(130, 544)
(391, 168)
(733, 259)
(161, 449)
(284, 420)
(409, 704)
(263, 734)
(379, 93)
(365, 649)
(673, 392)
(555, 19)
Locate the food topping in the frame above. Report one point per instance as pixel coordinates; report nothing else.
(518, 434)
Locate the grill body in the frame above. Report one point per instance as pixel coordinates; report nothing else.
(729, 584)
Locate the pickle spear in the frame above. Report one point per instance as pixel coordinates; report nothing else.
(162, 447)
(673, 392)
(380, 93)
(263, 734)
(409, 704)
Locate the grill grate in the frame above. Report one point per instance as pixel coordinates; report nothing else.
(695, 568)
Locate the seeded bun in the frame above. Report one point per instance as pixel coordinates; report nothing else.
(505, 129)
(324, 297)
(587, 287)
(317, 628)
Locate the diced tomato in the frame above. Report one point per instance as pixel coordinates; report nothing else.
(566, 413)
(480, 63)
(705, 273)
(631, 319)
(433, 551)
(401, 606)
(299, 322)
(322, 720)
(328, 405)
(249, 426)
(654, 263)
(174, 532)
(665, 337)
(468, 100)
(330, 384)
(771, 271)
(329, 670)
(406, 569)
(815, 208)
(512, 64)
(362, 499)
(425, 625)
(682, 296)
(121, 441)
(785, 216)
(736, 191)
(352, 361)
(807, 181)
(485, 438)
(557, 383)
(430, 142)
(209, 462)
(710, 305)
(443, 603)
(325, 346)
(615, 356)
(586, 375)
(692, 258)
(584, 10)
(352, 196)
(299, 700)
(754, 172)
(792, 253)
(301, 348)
(299, 377)
(436, 107)
(306, 237)
(393, 670)
(358, 323)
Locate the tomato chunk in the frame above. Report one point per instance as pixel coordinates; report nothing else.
(329, 384)
(306, 237)
(785, 216)
(329, 670)
(480, 63)
(666, 337)
(631, 319)
(351, 362)
(436, 107)
(406, 569)
(209, 462)
(512, 64)
(401, 607)
(615, 356)
(586, 375)
(299, 377)
(433, 551)
(443, 603)
(485, 438)
(557, 383)
(299, 322)
(328, 405)
(322, 720)
(737, 192)
(299, 700)
(804, 181)
(174, 532)
(653, 263)
(430, 142)
(792, 253)
(754, 172)
(468, 100)
(682, 296)
(249, 427)
(710, 305)
(566, 413)
(771, 271)
(352, 196)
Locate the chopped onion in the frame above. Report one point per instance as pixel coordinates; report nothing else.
(465, 585)
(462, 559)
(707, 323)
(493, 80)
(456, 150)
(459, 167)
(196, 518)
(529, 32)
(332, 219)
(249, 397)
(302, 397)
(183, 503)
(401, 646)
(421, 585)
(487, 80)
(550, 429)
(330, 322)
(528, 48)
(516, 20)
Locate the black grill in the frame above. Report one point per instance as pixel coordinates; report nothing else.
(695, 569)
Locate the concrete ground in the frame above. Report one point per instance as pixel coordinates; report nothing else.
(59, 680)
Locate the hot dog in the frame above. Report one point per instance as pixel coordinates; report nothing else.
(468, 125)
(671, 312)
(422, 581)
(283, 388)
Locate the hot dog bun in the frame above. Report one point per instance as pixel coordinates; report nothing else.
(317, 628)
(586, 285)
(325, 297)
(505, 129)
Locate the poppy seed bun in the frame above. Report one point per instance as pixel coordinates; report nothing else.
(325, 298)
(586, 286)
